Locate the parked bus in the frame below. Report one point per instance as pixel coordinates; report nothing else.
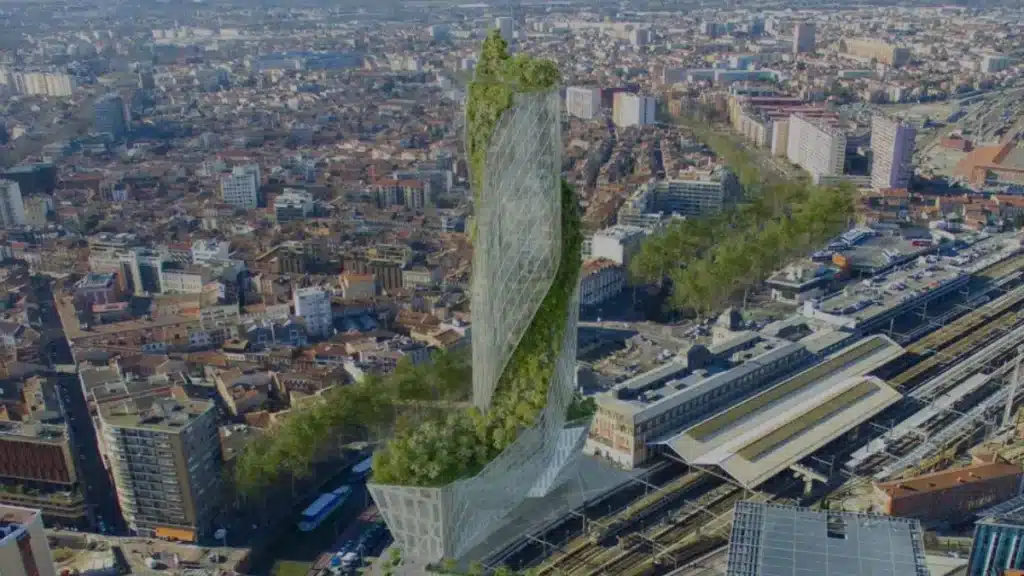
(322, 507)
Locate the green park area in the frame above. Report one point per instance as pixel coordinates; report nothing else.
(715, 261)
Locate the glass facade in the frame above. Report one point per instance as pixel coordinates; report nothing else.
(997, 547)
(516, 258)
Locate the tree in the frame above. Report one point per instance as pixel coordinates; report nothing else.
(395, 555)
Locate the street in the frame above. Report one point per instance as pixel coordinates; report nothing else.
(97, 487)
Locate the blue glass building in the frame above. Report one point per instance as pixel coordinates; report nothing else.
(998, 540)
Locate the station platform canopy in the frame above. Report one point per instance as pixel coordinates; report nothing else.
(768, 433)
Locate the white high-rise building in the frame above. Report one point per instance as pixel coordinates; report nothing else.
(892, 147)
(53, 84)
(816, 146)
(506, 27)
(633, 109)
(12, 208)
(314, 306)
(241, 187)
(582, 102)
(24, 549)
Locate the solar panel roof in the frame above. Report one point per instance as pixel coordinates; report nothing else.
(778, 540)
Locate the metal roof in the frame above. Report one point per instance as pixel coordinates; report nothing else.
(778, 540)
(756, 439)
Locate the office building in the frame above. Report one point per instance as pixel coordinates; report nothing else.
(617, 243)
(37, 454)
(892, 148)
(582, 102)
(314, 306)
(34, 179)
(633, 109)
(662, 401)
(24, 550)
(707, 193)
(12, 208)
(146, 266)
(506, 27)
(240, 188)
(164, 455)
(293, 206)
(803, 37)
(110, 117)
(780, 540)
(998, 543)
(880, 51)
(817, 145)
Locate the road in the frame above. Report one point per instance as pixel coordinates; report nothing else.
(100, 497)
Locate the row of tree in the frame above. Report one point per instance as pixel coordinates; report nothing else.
(713, 261)
(365, 410)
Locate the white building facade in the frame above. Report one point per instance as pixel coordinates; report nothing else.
(24, 549)
(633, 109)
(617, 243)
(12, 208)
(892, 147)
(314, 306)
(241, 187)
(816, 146)
(582, 103)
(601, 281)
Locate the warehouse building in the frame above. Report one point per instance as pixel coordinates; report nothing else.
(951, 496)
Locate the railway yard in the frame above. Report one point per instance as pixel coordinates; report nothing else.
(955, 377)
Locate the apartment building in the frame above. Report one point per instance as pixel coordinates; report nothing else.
(878, 50)
(314, 306)
(817, 145)
(24, 549)
(706, 193)
(601, 280)
(293, 206)
(164, 455)
(633, 109)
(582, 103)
(617, 244)
(53, 84)
(12, 208)
(240, 188)
(892, 148)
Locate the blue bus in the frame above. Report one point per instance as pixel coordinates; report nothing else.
(322, 507)
(361, 470)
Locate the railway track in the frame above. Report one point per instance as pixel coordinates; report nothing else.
(962, 336)
(636, 555)
(586, 550)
